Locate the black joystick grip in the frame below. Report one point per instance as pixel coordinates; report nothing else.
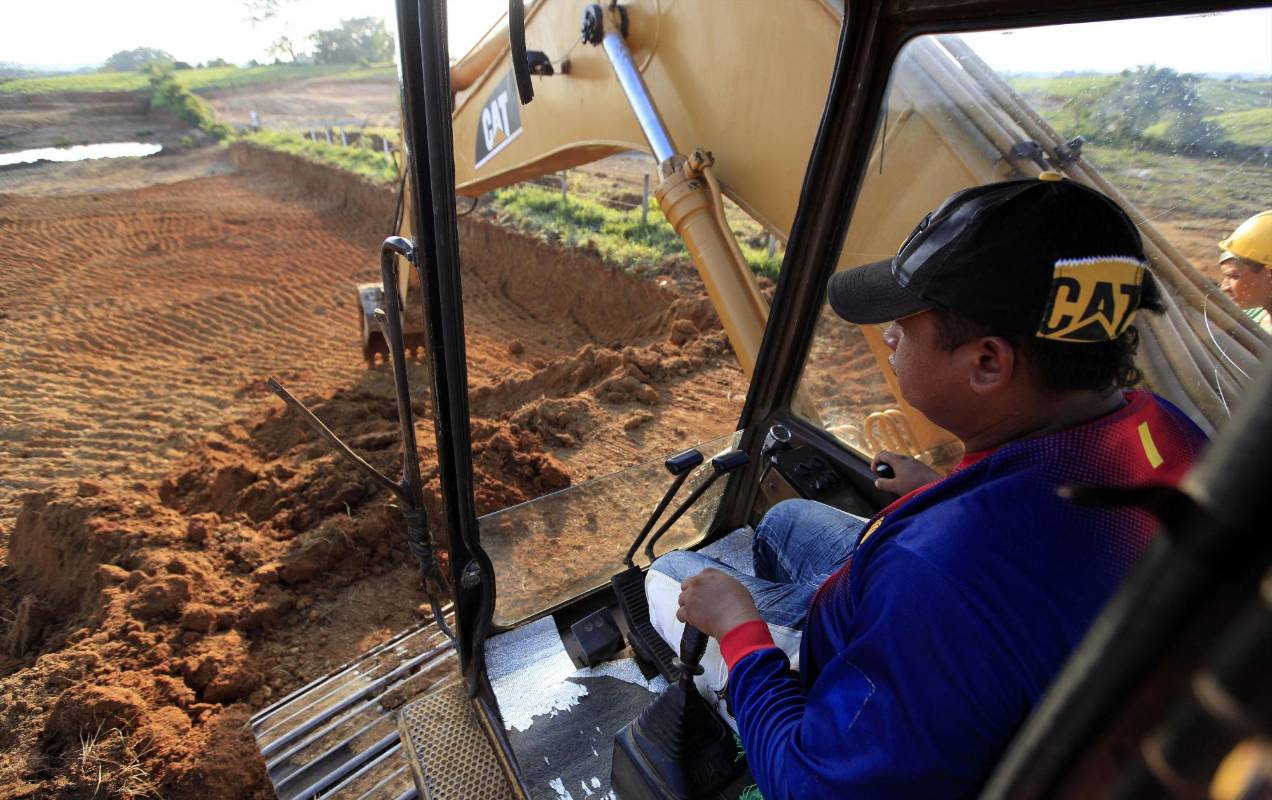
(885, 471)
(681, 463)
(692, 645)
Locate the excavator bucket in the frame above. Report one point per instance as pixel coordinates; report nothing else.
(371, 297)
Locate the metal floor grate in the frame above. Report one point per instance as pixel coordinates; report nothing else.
(447, 749)
(337, 737)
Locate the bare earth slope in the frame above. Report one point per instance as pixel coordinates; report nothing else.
(175, 548)
(135, 321)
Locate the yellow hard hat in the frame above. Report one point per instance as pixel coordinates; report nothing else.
(1252, 240)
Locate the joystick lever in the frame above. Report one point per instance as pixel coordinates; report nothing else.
(693, 644)
(678, 748)
(629, 585)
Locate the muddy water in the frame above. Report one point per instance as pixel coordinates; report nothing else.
(82, 152)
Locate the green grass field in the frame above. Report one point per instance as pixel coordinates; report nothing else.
(1244, 108)
(1060, 86)
(1182, 186)
(197, 79)
(617, 234)
(1252, 127)
(1236, 95)
(370, 164)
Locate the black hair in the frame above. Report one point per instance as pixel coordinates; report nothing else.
(1063, 366)
(1249, 263)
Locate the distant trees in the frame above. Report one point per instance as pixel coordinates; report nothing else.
(282, 46)
(1148, 106)
(135, 59)
(9, 70)
(353, 41)
(219, 62)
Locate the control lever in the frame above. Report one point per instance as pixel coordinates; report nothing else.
(720, 465)
(679, 465)
(629, 585)
(884, 470)
(678, 748)
(777, 439)
(693, 644)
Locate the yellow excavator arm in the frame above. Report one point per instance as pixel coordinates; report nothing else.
(758, 119)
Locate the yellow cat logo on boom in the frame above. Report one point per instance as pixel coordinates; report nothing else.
(1092, 299)
(500, 121)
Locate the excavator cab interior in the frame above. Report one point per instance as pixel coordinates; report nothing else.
(858, 119)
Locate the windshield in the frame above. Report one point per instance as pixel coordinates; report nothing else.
(1172, 118)
(558, 546)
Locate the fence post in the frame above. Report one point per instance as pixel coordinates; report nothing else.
(344, 140)
(385, 142)
(313, 137)
(644, 202)
(328, 131)
(564, 185)
(772, 245)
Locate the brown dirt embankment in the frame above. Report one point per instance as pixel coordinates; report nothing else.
(175, 548)
(313, 103)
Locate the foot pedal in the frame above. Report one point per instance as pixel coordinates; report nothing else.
(629, 587)
(449, 754)
(598, 637)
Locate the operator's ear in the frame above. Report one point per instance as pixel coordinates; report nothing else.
(992, 364)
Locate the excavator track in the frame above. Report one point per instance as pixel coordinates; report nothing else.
(338, 737)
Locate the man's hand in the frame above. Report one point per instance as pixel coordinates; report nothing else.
(910, 473)
(715, 603)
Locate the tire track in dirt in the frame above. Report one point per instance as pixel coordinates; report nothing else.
(136, 321)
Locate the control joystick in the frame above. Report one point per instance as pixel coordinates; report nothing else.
(678, 748)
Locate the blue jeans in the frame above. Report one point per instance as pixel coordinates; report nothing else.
(797, 546)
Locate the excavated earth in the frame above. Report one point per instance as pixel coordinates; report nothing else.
(176, 548)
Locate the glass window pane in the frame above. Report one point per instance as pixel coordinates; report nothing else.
(563, 544)
(608, 317)
(1170, 119)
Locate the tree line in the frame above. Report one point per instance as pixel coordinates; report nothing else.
(1149, 107)
(361, 40)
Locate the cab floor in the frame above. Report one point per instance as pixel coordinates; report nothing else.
(561, 720)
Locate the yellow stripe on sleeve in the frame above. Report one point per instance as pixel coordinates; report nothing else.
(873, 527)
(1150, 447)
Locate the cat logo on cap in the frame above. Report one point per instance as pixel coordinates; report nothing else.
(1092, 299)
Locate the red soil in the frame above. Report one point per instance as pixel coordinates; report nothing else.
(175, 548)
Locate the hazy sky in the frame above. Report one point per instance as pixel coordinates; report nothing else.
(84, 32)
(1236, 41)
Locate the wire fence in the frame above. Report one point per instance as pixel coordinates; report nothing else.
(370, 140)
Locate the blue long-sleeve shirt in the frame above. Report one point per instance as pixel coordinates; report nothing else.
(923, 655)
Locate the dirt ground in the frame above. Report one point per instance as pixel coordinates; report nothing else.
(316, 103)
(175, 548)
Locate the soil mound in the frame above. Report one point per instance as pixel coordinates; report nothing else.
(186, 548)
(154, 611)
